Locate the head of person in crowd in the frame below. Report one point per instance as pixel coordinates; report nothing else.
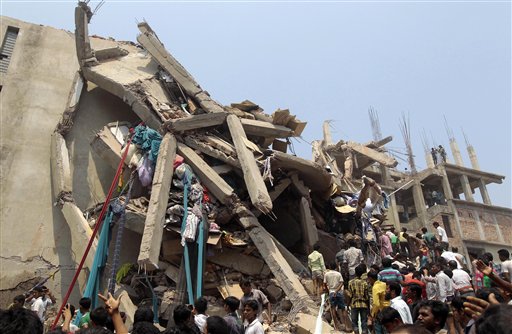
(410, 329)
(416, 275)
(472, 256)
(85, 304)
(452, 264)
(200, 305)
(487, 258)
(404, 229)
(432, 315)
(144, 327)
(372, 277)
(457, 307)
(250, 310)
(424, 230)
(143, 314)
(504, 255)
(375, 267)
(18, 301)
(99, 317)
(393, 290)
(386, 263)
(231, 304)
(20, 321)
(419, 236)
(484, 293)
(438, 250)
(495, 319)
(352, 243)
(435, 268)
(182, 315)
(390, 319)
(455, 249)
(414, 292)
(436, 224)
(448, 272)
(360, 270)
(38, 291)
(216, 325)
(245, 285)
(392, 230)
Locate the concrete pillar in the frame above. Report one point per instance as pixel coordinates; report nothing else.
(473, 158)
(483, 191)
(456, 152)
(466, 187)
(429, 160)
(447, 190)
(419, 203)
(393, 212)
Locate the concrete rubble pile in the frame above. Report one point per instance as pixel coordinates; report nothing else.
(201, 173)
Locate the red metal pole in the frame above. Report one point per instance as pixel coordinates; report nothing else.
(96, 228)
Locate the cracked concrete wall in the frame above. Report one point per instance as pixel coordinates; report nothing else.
(34, 96)
(34, 236)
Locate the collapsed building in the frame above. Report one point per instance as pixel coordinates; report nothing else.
(257, 211)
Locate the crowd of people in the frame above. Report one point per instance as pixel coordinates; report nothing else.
(27, 315)
(419, 286)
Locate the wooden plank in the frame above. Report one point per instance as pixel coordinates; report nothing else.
(252, 177)
(215, 184)
(155, 218)
(263, 129)
(195, 122)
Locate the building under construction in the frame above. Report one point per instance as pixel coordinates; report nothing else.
(91, 125)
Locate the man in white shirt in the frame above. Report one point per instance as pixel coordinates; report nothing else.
(252, 325)
(506, 264)
(439, 251)
(200, 306)
(393, 291)
(353, 257)
(444, 285)
(333, 280)
(443, 237)
(40, 301)
(461, 281)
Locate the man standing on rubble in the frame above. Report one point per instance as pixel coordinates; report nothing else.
(317, 266)
(443, 237)
(250, 293)
(40, 302)
(353, 256)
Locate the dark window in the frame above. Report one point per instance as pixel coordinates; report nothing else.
(447, 227)
(7, 48)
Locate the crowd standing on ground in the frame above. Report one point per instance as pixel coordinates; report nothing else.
(419, 286)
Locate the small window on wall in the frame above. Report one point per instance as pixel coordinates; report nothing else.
(447, 226)
(8, 48)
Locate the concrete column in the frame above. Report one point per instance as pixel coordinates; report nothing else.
(473, 158)
(448, 194)
(456, 152)
(429, 160)
(393, 212)
(483, 191)
(468, 194)
(419, 203)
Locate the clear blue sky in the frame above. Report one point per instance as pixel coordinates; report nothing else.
(333, 60)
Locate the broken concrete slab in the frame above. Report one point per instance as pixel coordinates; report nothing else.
(265, 129)
(81, 233)
(247, 265)
(155, 218)
(306, 324)
(195, 122)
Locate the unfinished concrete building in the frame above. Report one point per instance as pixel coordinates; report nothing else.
(68, 103)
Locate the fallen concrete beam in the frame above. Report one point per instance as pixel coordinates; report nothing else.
(81, 232)
(379, 143)
(246, 264)
(308, 227)
(98, 77)
(155, 218)
(253, 180)
(381, 158)
(312, 174)
(263, 129)
(294, 263)
(306, 324)
(61, 170)
(286, 278)
(66, 122)
(156, 49)
(195, 122)
(199, 145)
(213, 182)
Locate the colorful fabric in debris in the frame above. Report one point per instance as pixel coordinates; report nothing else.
(148, 140)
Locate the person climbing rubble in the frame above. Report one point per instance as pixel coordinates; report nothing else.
(317, 266)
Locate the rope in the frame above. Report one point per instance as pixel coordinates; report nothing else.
(119, 239)
(95, 231)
